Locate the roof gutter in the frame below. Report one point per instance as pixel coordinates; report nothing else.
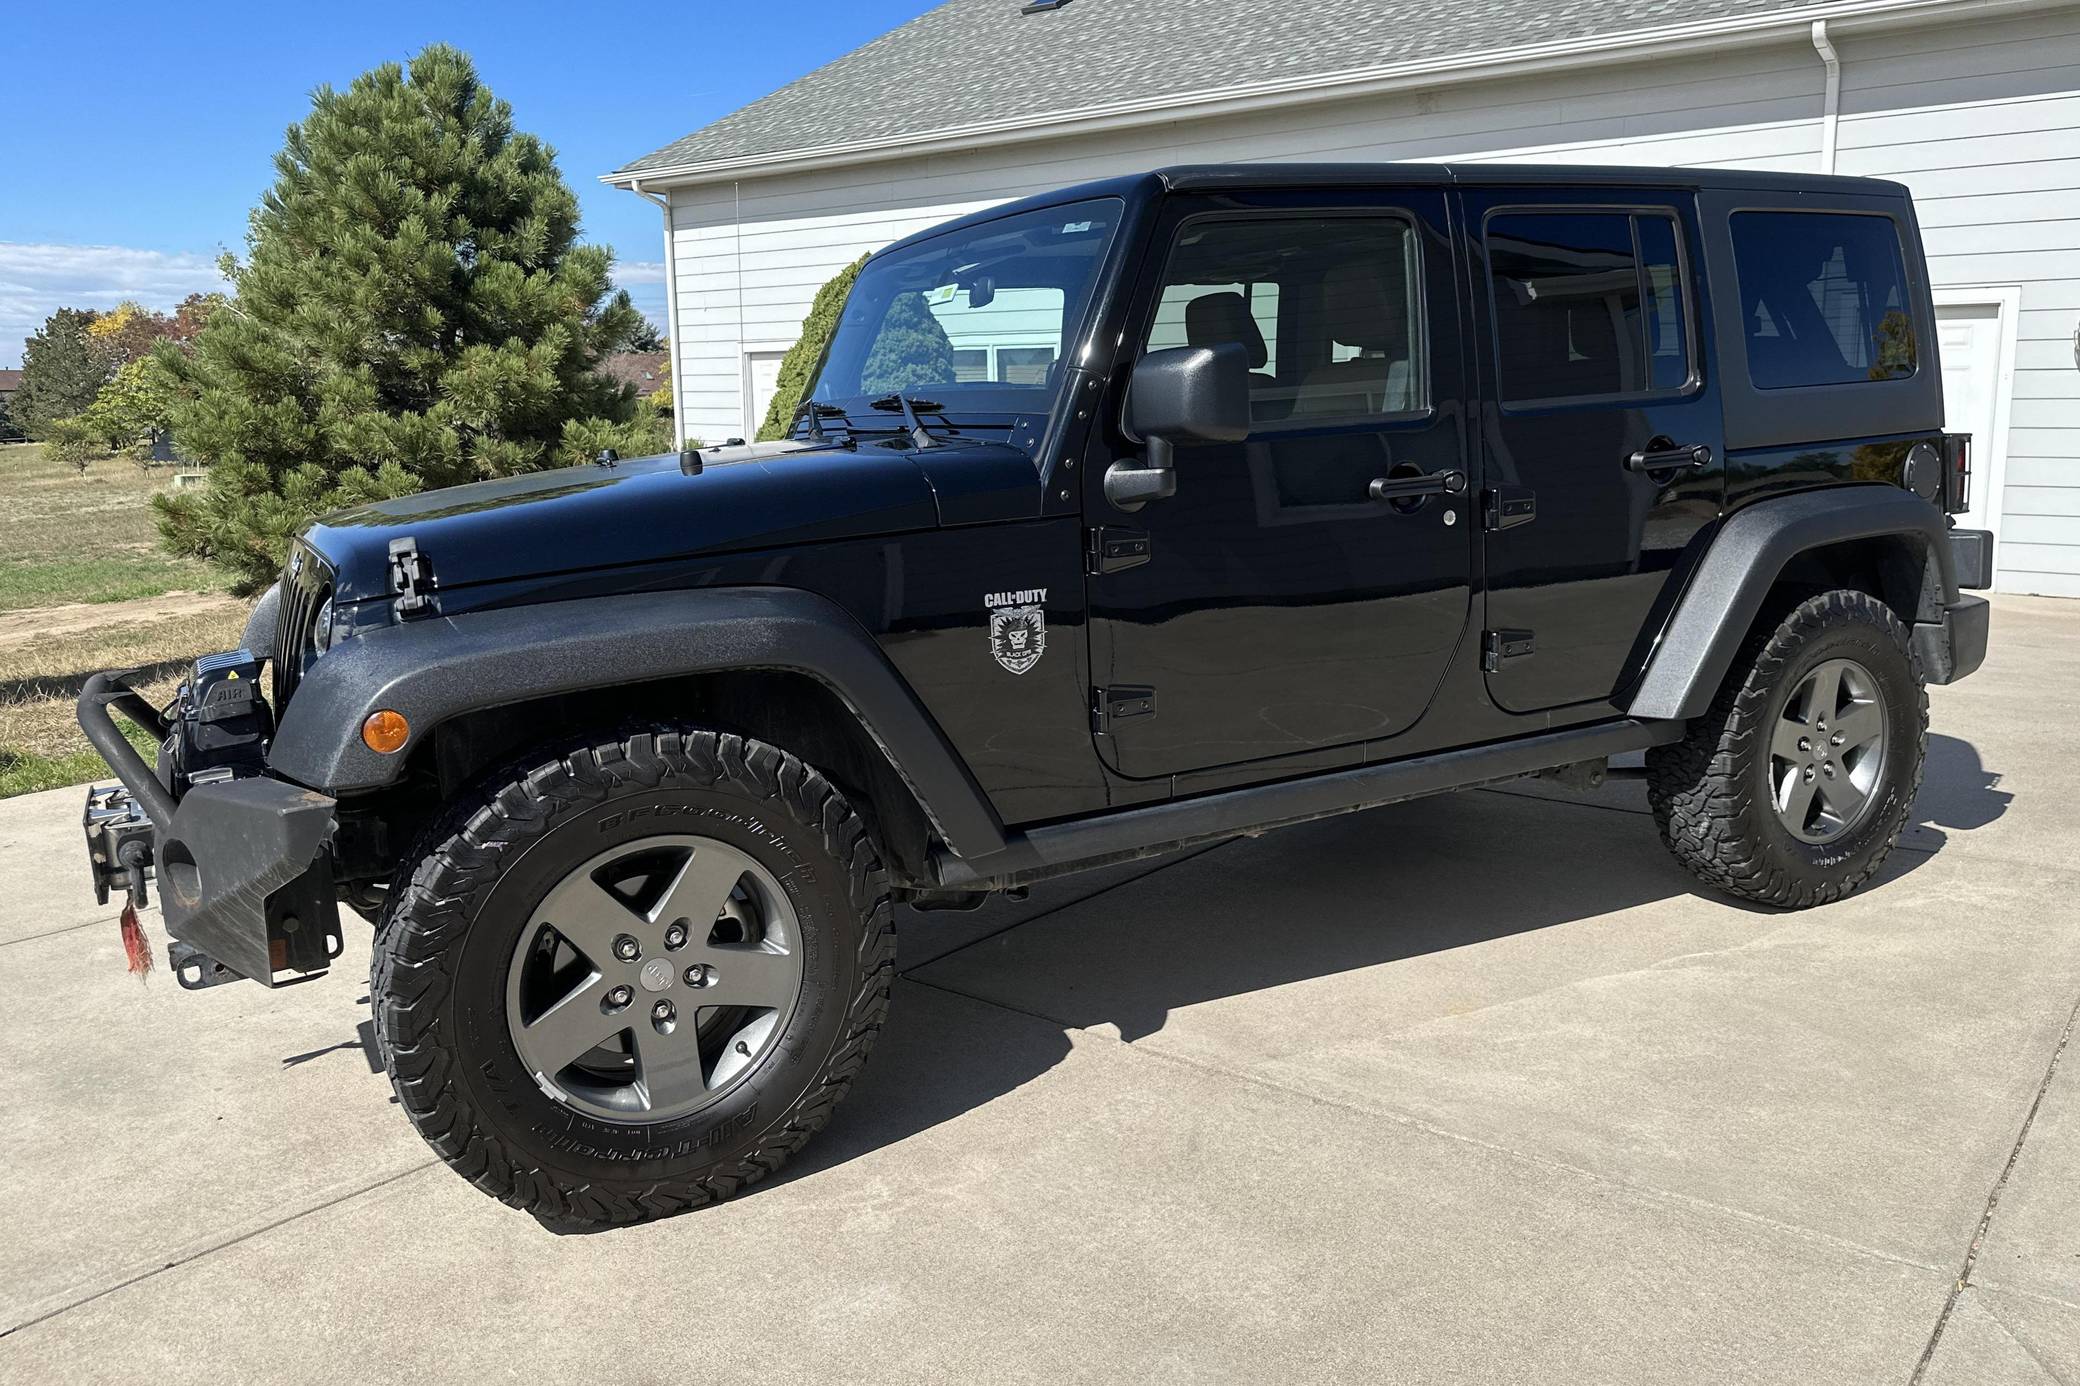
(1299, 90)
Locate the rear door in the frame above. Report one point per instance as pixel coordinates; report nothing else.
(1601, 428)
(1272, 607)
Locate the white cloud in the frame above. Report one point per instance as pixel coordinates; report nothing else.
(644, 280)
(37, 280)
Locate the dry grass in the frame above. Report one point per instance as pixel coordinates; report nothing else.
(41, 746)
(69, 538)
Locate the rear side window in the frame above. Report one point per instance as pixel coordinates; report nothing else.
(1588, 305)
(1823, 298)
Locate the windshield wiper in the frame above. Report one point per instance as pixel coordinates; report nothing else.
(818, 412)
(911, 408)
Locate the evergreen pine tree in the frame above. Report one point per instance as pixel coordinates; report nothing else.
(62, 371)
(807, 351)
(912, 349)
(414, 311)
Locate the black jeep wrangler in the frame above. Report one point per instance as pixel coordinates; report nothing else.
(1149, 512)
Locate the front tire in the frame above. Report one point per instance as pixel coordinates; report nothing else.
(636, 976)
(1792, 789)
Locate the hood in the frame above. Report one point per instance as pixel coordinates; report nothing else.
(647, 510)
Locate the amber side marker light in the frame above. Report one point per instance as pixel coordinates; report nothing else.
(385, 731)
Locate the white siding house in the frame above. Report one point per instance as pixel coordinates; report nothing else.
(1974, 104)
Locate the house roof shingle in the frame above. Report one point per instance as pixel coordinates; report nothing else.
(974, 62)
(10, 381)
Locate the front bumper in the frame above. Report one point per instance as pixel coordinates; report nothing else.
(1955, 646)
(243, 864)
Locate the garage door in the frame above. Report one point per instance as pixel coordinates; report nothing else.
(1973, 383)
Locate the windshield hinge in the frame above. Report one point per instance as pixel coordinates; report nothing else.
(411, 578)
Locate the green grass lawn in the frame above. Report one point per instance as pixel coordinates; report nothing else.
(71, 536)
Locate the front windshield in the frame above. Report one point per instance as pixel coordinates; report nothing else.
(973, 323)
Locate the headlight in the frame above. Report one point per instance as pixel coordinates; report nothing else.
(321, 626)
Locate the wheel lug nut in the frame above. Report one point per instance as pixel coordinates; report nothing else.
(619, 997)
(697, 975)
(1809, 774)
(627, 949)
(675, 936)
(1805, 744)
(1827, 768)
(661, 1011)
(1836, 739)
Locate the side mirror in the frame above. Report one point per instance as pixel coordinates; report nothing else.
(1180, 396)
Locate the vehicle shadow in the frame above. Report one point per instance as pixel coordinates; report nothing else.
(1957, 791)
(1363, 891)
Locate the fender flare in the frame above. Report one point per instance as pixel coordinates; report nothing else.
(436, 669)
(1747, 555)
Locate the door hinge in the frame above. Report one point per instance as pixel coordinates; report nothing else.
(1506, 507)
(1113, 550)
(1117, 704)
(1498, 647)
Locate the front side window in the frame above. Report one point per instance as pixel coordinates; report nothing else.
(1823, 298)
(978, 320)
(1328, 311)
(1587, 305)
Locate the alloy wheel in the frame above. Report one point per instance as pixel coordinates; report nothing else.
(653, 978)
(1827, 751)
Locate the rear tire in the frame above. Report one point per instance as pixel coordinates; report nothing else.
(1792, 789)
(632, 978)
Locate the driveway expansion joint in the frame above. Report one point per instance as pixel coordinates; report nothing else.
(1993, 1199)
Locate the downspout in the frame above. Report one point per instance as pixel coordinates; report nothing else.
(1831, 111)
(673, 330)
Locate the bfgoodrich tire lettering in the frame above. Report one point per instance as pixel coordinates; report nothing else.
(438, 979)
(1712, 792)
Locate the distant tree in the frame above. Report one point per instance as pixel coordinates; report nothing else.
(644, 336)
(807, 351)
(414, 311)
(192, 315)
(137, 402)
(911, 350)
(62, 370)
(128, 331)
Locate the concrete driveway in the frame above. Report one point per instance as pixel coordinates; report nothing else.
(1479, 1089)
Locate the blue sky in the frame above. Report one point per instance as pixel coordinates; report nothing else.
(138, 135)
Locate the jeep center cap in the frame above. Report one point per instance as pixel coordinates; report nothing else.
(656, 975)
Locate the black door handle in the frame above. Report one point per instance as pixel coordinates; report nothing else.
(1394, 488)
(1662, 455)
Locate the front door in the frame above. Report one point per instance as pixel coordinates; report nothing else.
(1601, 429)
(1273, 607)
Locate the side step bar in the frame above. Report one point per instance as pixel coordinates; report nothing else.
(1061, 848)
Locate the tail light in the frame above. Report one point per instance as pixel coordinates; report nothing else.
(1957, 471)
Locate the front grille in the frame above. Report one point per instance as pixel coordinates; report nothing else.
(304, 583)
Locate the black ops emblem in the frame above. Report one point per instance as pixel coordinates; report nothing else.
(1017, 627)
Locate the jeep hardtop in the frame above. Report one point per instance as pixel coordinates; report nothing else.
(1144, 513)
